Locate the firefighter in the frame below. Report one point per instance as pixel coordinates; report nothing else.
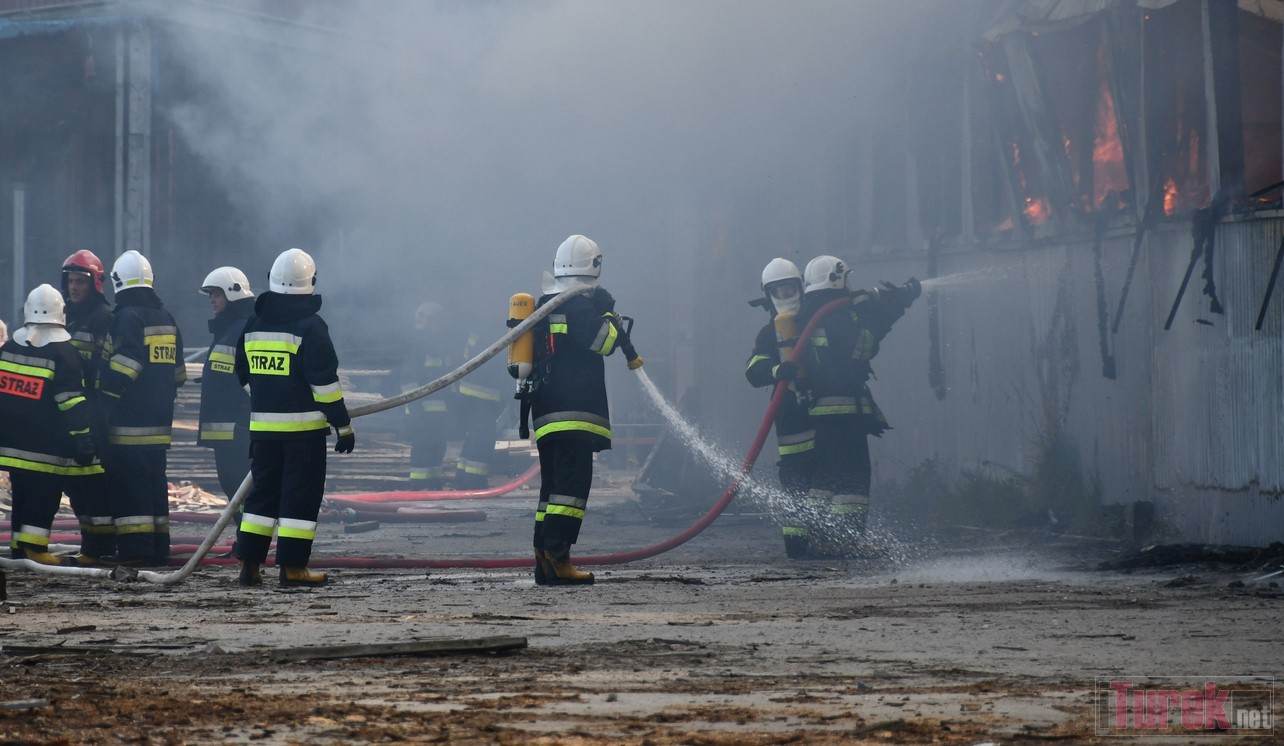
(569, 406)
(138, 381)
(842, 410)
(480, 404)
(782, 287)
(46, 439)
(89, 323)
(427, 420)
(225, 407)
(287, 359)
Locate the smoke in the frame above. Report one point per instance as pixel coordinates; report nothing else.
(446, 146)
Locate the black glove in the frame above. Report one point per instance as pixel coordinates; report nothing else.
(786, 371)
(347, 439)
(84, 450)
(914, 287)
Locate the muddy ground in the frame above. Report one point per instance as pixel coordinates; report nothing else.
(720, 641)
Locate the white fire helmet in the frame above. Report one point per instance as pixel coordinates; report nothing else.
(232, 281)
(293, 273)
(579, 257)
(825, 273)
(782, 284)
(131, 270)
(44, 306)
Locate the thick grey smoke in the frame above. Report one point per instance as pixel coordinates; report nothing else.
(446, 148)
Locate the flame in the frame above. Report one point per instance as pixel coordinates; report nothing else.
(1036, 210)
(1170, 197)
(1109, 173)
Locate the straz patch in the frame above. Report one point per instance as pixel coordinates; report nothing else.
(269, 363)
(28, 387)
(162, 353)
(221, 367)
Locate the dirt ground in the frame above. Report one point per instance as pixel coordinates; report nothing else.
(720, 641)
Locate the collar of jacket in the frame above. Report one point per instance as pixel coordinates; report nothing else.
(237, 310)
(281, 308)
(85, 307)
(817, 298)
(144, 297)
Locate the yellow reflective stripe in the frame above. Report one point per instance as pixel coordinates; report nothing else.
(434, 406)
(139, 440)
(271, 345)
(478, 392)
(570, 425)
(26, 370)
(293, 528)
(222, 357)
(66, 471)
(565, 510)
(557, 328)
(160, 339)
(288, 427)
(74, 433)
(124, 370)
(789, 450)
(27, 538)
(539, 516)
(755, 360)
(217, 435)
(254, 528)
(793, 531)
(819, 341)
(835, 409)
(73, 401)
(328, 397)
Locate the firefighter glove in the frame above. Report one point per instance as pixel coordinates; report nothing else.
(347, 439)
(786, 371)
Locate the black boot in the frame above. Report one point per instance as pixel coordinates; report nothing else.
(251, 575)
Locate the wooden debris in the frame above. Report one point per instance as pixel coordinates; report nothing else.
(360, 527)
(439, 646)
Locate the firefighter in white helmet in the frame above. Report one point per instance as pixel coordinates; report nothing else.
(571, 418)
(286, 357)
(45, 432)
(225, 407)
(782, 289)
(138, 383)
(842, 410)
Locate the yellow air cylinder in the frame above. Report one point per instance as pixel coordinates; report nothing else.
(521, 353)
(786, 328)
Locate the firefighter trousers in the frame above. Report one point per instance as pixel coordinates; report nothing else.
(35, 502)
(843, 473)
(89, 498)
(289, 480)
(232, 463)
(796, 472)
(477, 419)
(427, 436)
(566, 475)
(139, 497)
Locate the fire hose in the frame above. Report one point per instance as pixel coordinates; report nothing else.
(198, 557)
(367, 500)
(170, 578)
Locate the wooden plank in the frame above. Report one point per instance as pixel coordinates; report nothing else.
(433, 647)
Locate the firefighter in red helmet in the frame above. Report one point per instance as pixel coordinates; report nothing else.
(88, 323)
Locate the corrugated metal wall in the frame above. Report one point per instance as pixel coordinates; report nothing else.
(1192, 419)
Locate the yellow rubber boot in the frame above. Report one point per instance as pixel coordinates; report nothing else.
(560, 571)
(42, 557)
(302, 576)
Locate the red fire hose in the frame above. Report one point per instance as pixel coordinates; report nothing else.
(364, 499)
(615, 558)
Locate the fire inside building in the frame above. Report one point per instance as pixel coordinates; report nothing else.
(1112, 165)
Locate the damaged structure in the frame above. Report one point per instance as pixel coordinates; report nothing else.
(1098, 183)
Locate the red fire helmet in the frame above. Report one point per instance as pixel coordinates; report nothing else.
(84, 262)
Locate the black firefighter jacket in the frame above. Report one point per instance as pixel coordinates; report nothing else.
(42, 409)
(841, 351)
(794, 433)
(225, 407)
(89, 323)
(570, 346)
(286, 357)
(141, 370)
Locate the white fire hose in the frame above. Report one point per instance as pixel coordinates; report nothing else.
(177, 576)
